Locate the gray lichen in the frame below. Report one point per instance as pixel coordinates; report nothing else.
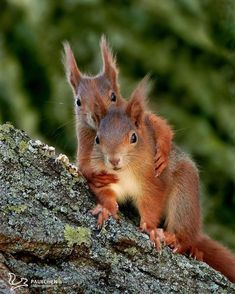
(47, 232)
(79, 235)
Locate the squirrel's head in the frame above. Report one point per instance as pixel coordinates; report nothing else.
(105, 84)
(119, 136)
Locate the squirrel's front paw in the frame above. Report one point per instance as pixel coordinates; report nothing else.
(104, 213)
(156, 236)
(102, 179)
(160, 162)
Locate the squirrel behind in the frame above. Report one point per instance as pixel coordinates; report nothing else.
(124, 145)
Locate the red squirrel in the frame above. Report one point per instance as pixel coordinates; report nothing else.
(106, 84)
(125, 146)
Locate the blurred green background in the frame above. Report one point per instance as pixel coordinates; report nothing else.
(188, 46)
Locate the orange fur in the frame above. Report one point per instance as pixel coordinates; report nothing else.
(173, 196)
(217, 256)
(85, 88)
(183, 209)
(163, 136)
(135, 162)
(98, 89)
(107, 204)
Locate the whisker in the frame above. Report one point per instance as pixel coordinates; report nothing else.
(96, 157)
(55, 102)
(136, 163)
(72, 121)
(132, 156)
(182, 130)
(60, 129)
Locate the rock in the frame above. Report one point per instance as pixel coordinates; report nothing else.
(49, 241)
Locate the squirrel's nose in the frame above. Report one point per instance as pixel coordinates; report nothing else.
(114, 161)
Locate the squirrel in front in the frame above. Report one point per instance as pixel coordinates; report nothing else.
(124, 145)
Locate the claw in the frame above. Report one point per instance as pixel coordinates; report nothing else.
(103, 214)
(161, 236)
(155, 239)
(196, 253)
(143, 227)
(96, 210)
(102, 217)
(160, 163)
(175, 250)
(156, 236)
(157, 158)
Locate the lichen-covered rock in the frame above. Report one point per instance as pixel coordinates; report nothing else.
(49, 238)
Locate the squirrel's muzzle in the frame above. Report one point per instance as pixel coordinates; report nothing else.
(114, 162)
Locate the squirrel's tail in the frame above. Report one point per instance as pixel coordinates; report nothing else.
(217, 256)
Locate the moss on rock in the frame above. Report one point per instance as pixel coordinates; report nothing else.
(78, 235)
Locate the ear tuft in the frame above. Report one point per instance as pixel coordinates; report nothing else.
(137, 104)
(97, 106)
(109, 62)
(108, 59)
(72, 72)
(141, 91)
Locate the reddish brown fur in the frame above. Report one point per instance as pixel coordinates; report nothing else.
(114, 135)
(109, 64)
(163, 136)
(86, 88)
(173, 196)
(183, 210)
(100, 86)
(217, 256)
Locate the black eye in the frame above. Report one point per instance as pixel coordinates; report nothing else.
(133, 138)
(78, 102)
(113, 97)
(97, 140)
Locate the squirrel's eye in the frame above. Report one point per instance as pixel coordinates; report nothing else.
(97, 140)
(133, 138)
(78, 102)
(113, 97)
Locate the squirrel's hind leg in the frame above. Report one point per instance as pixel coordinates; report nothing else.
(150, 207)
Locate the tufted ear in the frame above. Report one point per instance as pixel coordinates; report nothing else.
(136, 106)
(73, 74)
(109, 63)
(97, 106)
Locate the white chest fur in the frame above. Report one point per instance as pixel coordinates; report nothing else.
(128, 186)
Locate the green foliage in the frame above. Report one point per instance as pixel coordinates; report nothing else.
(187, 46)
